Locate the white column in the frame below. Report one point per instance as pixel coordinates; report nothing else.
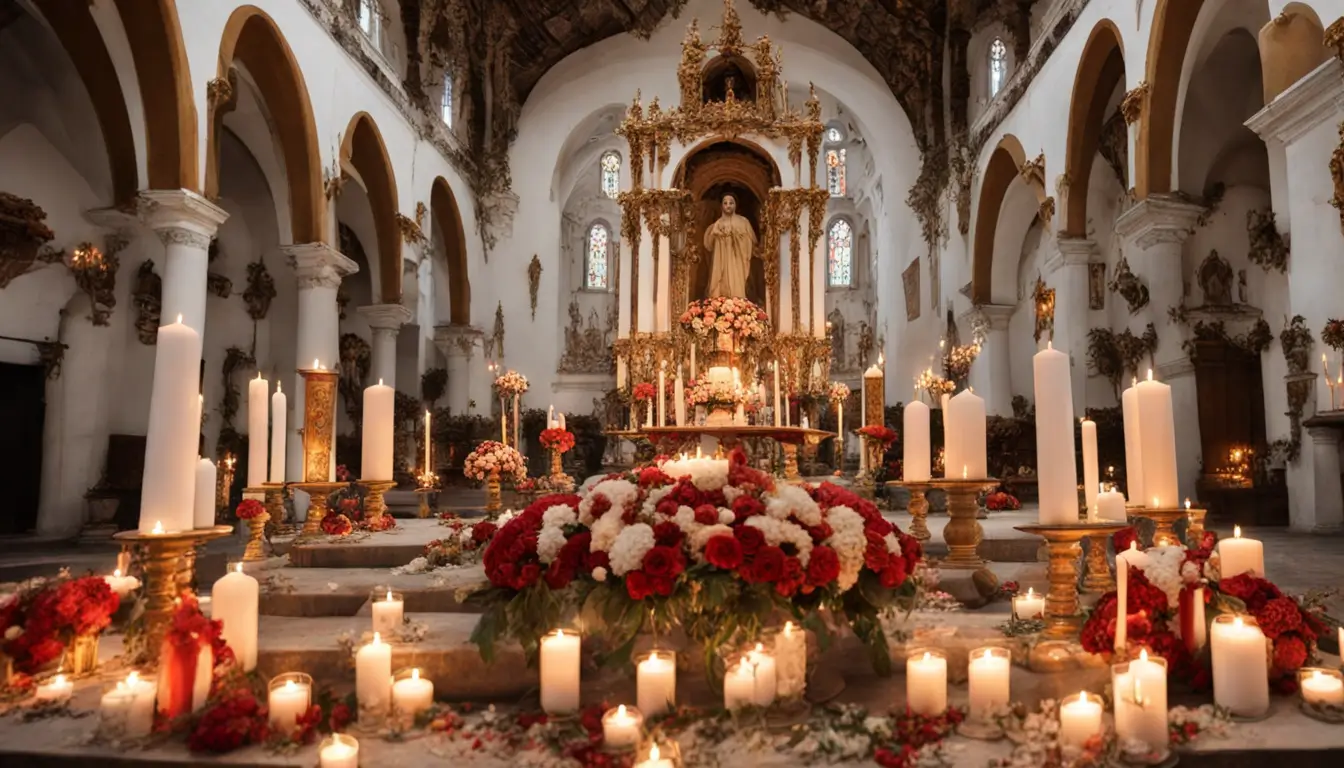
(991, 375)
(1327, 514)
(385, 321)
(318, 268)
(1303, 121)
(1153, 233)
(818, 279)
(185, 222)
(647, 244)
(459, 343)
(1066, 271)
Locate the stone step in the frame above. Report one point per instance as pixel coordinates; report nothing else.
(315, 592)
(1002, 542)
(387, 549)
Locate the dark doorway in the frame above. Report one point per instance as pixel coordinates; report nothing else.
(22, 411)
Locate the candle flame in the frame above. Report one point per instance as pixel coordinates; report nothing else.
(237, 567)
(559, 633)
(179, 318)
(788, 628)
(1236, 531)
(380, 381)
(1049, 344)
(258, 375)
(963, 471)
(415, 673)
(653, 753)
(1143, 655)
(760, 648)
(1238, 623)
(278, 390)
(377, 638)
(133, 678)
(881, 359)
(928, 656)
(1031, 592)
(1187, 503)
(620, 711)
(60, 680)
(1155, 504)
(389, 594)
(158, 527)
(1150, 374)
(117, 573)
(289, 685)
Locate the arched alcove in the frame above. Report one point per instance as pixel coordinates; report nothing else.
(448, 220)
(1007, 167)
(1101, 69)
(363, 150)
(164, 76)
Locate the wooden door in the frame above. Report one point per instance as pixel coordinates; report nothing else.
(22, 414)
(1231, 401)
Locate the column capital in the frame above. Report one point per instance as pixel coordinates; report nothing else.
(1070, 252)
(1158, 219)
(997, 315)
(1324, 434)
(318, 265)
(458, 340)
(385, 317)
(1315, 98)
(180, 216)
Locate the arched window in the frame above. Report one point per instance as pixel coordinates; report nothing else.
(840, 254)
(446, 106)
(371, 21)
(835, 172)
(596, 260)
(998, 66)
(611, 174)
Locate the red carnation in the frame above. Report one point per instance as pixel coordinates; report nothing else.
(1279, 615)
(559, 574)
(894, 574)
(706, 515)
(746, 506)
(667, 507)
(1290, 653)
(667, 534)
(724, 551)
(653, 477)
(482, 532)
(637, 585)
(601, 505)
(823, 567)
(820, 532)
(597, 559)
(249, 509)
(663, 562)
(685, 493)
(767, 565)
(1124, 537)
(750, 538)
(910, 548)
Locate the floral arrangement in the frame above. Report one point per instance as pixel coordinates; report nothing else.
(708, 393)
(337, 525)
(879, 433)
(343, 474)
(644, 391)
(959, 360)
(465, 540)
(511, 382)
(1160, 613)
(1332, 335)
(722, 314)
(718, 549)
(249, 509)
(838, 392)
(383, 522)
(935, 385)
(556, 439)
(493, 456)
(1000, 501)
(41, 619)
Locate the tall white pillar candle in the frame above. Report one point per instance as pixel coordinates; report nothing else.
(1157, 433)
(376, 453)
(560, 672)
(1133, 446)
(1141, 701)
(168, 489)
(926, 683)
(1240, 665)
(966, 414)
(258, 407)
(517, 425)
(1238, 555)
(234, 600)
(1091, 473)
(656, 682)
(1057, 475)
(916, 457)
(279, 423)
(373, 678)
(987, 675)
(679, 399)
(429, 442)
(203, 515)
(205, 673)
(775, 369)
(662, 395)
(1079, 719)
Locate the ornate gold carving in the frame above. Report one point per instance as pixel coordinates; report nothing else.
(534, 282)
(587, 348)
(333, 178)
(421, 215)
(22, 232)
(1334, 37)
(219, 91)
(1047, 212)
(410, 230)
(96, 275)
(1044, 298)
(1033, 171)
(319, 423)
(1266, 246)
(1336, 165)
(1132, 105)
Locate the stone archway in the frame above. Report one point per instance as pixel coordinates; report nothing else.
(363, 150)
(1100, 69)
(1006, 163)
(1173, 24)
(252, 39)
(443, 206)
(161, 69)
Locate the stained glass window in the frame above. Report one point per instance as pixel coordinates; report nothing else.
(611, 174)
(840, 246)
(447, 105)
(835, 172)
(833, 135)
(998, 66)
(595, 274)
(370, 19)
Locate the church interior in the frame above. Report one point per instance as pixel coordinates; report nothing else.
(671, 383)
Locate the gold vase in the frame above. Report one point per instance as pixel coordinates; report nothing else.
(492, 496)
(81, 655)
(556, 468)
(255, 527)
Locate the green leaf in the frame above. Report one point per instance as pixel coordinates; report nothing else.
(871, 589)
(1225, 603)
(486, 632)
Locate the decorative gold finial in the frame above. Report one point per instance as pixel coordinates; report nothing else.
(730, 32)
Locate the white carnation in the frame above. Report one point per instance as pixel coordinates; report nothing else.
(549, 542)
(599, 574)
(627, 553)
(605, 531)
(731, 492)
(559, 515)
(779, 532)
(792, 500)
(848, 541)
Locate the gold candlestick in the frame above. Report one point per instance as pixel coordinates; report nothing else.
(1099, 579)
(492, 494)
(918, 507)
(1164, 519)
(963, 532)
(1062, 620)
(375, 506)
(791, 463)
(319, 423)
(317, 505)
(1194, 532)
(275, 501)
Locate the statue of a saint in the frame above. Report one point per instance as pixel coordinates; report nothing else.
(732, 240)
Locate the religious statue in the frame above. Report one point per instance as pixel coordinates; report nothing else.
(1215, 280)
(731, 240)
(835, 323)
(865, 344)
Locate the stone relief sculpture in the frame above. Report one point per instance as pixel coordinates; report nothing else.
(865, 344)
(1128, 285)
(534, 282)
(835, 321)
(1215, 280)
(148, 298)
(587, 348)
(356, 359)
(260, 290)
(22, 232)
(910, 281)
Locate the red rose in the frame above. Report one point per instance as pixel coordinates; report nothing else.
(1290, 653)
(685, 493)
(823, 567)
(724, 551)
(663, 561)
(667, 507)
(745, 506)
(706, 515)
(1279, 615)
(767, 565)
(894, 574)
(637, 585)
(601, 504)
(653, 477)
(528, 575)
(662, 585)
(668, 534)
(597, 559)
(559, 574)
(750, 538)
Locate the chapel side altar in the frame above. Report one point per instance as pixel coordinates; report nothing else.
(674, 440)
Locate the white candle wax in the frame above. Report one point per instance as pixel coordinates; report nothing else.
(286, 703)
(622, 728)
(1133, 445)
(234, 600)
(1123, 561)
(916, 456)
(373, 677)
(965, 420)
(57, 689)
(656, 760)
(679, 399)
(376, 448)
(1029, 606)
(790, 661)
(1323, 689)
(1200, 625)
(926, 684)
(987, 675)
(517, 424)
(1057, 476)
(775, 368)
(1079, 720)
(1141, 702)
(560, 672)
(205, 673)
(122, 585)
(429, 443)
(1157, 433)
(129, 708)
(388, 612)
(203, 506)
(1238, 555)
(342, 752)
(656, 683)
(258, 390)
(840, 434)
(1240, 666)
(739, 686)
(412, 695)
(168, 489)
(662, 395)
(1091, 474)
(1111, 506)
(767, 681)
(279, 423)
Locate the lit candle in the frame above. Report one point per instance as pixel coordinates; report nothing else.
(168, 488)
(1240, 666)
(656, 682)
(258, 390)
(790, 661)
(203, 501)
(739, 686)
(388, 611)
(767, 685)
(916, 456)
(128, 709)
(1141, 701)
(1237, 556)
(157, 530)
(339, 751)
(679, 398)
(1029, 606)
(122, 585)
(234, 600)
(1079, 719)
(1133, 443)
(1123, 562)
(279, 423)
(774, 367)
(56, 690)
(412, 695)
(1091, 479)
(373, 678)
(289, 698)
(926, 683)
(965, 422)
(1057, 477)
(656, 760)
(1157, 432)
(987, 675)
(1322, 688)
(621, 728)
(376, 448)
(560, 672)
(662, 394)
(1111, 506)
(429, 443)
